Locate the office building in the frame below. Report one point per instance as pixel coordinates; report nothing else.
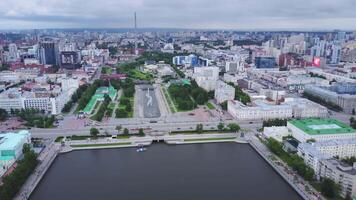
(320, 129)
(49, 53)
(224, 92)
(265, 62)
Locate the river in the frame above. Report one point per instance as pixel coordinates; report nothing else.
(216, 171)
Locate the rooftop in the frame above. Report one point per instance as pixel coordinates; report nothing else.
(322, 126)
(9, 141)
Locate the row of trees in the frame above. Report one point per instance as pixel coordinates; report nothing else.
(353, 122)
(274, 122)
(321, 101)
(13, 182)
(240, 95)
(125, 104)
(233, 127)
(102, 109)
(87, 94)
(75, 97)
(34, 117)
(3, 115)
(292, 160)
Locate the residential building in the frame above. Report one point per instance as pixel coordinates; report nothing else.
(224, 92)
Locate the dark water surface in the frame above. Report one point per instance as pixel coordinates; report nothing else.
(220, 171)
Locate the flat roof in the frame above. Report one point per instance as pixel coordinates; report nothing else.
(9, 141)
(314, 126)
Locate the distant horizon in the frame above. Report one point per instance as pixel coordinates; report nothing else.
(193, 14)
(184, 29)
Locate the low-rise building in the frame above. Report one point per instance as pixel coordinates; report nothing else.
(320, 130)
(224, 92)
(261, 109)
(11, 145)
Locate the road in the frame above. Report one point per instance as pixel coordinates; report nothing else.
(160, 127)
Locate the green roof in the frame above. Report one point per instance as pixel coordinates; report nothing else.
(99, 96)
(314, 126)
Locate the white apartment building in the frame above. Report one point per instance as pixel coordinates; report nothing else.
(319, 156)
(304, 108)
(206, 77)
(261, 111)
(51, 102)
(224, 92)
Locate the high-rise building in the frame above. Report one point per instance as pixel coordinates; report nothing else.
(70, 59)
(13, 52)
(49, 53)
(335, 54)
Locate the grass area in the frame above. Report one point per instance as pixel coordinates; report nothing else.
(112, 105)
(210, 106)
(58, 139)
(100, 145)
(210, 139)
(169, 100)
(136, 74)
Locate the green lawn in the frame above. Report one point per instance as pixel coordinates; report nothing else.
(101, 145)
(140, 75)
(106, 70)
(169, 100)
(210, 106)
(210, 139)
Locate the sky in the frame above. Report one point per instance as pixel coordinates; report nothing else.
(201, 14)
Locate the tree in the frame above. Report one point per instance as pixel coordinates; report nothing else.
(224, 105)
(3, 114)
(140, 132)
(126, 131)
(221, 126)
(199, 128)
(118, 128)
(348, 196)
(234, 127)
(94, 132)
(329, 188)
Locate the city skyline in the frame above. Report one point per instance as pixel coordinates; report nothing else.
(197, 14)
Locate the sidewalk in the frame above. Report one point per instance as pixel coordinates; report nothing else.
(46, 158)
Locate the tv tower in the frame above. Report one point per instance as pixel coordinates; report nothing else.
(136, 51)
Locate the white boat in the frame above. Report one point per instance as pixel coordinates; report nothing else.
(141, 149)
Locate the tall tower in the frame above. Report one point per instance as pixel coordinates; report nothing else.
(136, 51)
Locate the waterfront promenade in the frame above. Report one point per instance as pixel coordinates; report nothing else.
(45, 158)
(304, 189)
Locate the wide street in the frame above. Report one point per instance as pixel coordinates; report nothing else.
(159, 128)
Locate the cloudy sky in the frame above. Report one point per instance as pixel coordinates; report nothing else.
(225, 14)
